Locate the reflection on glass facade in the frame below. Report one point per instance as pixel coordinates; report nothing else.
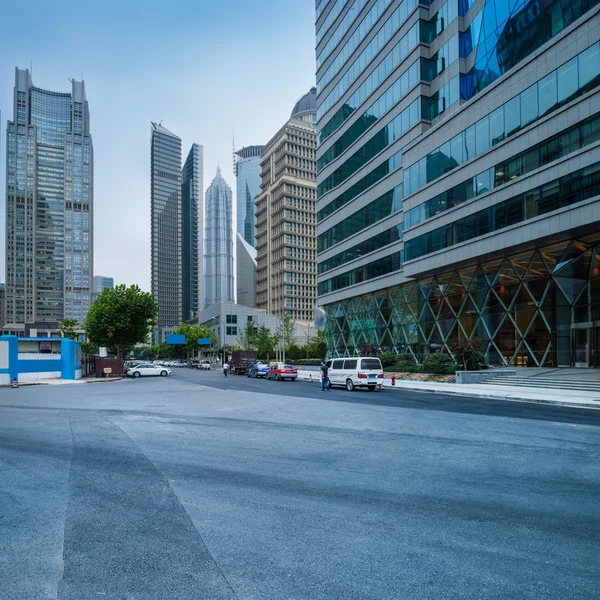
(219, 274)
(165, 158)
(192, 233)
(247, 173)
(523, 309)
(49, 237)
(483, 202)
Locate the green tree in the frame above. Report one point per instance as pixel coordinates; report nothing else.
(89, 348)
(316, 346)
(68, 328)
(287, 333)
(247, 337)
(467, 354)
(266, 343)
(120, 318)
(193, 333)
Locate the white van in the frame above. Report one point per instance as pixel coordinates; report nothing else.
(356, 372)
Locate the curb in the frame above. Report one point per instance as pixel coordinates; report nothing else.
(100, 380)
(563, 403)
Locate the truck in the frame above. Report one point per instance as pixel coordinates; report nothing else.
(242, 360)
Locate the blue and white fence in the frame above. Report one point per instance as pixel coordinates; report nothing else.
(32, 359)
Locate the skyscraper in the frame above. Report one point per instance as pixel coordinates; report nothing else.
(245, 272)
(49, 206)
(247, 172)
(459, 178)
(192, 233)
(286, 222)
(219, 244)
(165, 158)
(102, 283)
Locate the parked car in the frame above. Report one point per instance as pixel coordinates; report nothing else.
(147, 370)
(356, 372)
(258, 370)
(205, 365)
(179, 363)
(281, 371)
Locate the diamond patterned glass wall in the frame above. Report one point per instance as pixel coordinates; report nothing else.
(522, 309)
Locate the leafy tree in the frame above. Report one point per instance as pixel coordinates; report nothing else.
(287, 333)
(266, 343)
(68, 328)
(193, 333)
(316, 346)
(89, 348)
(439, 364)
(247, 337)
(121, 317)
(467, 354)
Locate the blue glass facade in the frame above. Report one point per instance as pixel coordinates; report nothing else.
(49, 205)
(247, 173)
(497, 160)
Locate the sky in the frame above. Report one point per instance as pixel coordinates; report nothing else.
(209, 70)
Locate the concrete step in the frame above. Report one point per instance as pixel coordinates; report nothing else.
(538, 382)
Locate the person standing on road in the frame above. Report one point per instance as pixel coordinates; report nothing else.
(324, 377)
(225, 369)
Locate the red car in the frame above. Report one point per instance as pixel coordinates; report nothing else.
(280, 372)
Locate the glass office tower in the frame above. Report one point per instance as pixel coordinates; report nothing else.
(459, 177)
(165, 158)
(192, 234)
(219, 240)
(102, 283)
(247, 172)
(49, 206)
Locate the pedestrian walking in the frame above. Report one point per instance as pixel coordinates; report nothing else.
(324, 376)
(225, 369)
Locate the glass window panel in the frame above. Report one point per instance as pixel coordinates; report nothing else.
(567, 80)
(512, 116)
(529, 105)
(589, 65)
(547, 93)
(482, 135)
(470, 142)
(456, 149)
(497, 126)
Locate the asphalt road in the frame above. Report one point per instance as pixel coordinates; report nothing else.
(201, 487)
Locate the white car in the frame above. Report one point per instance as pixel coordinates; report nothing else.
(355, 372)
(147, 370)
(204, 365)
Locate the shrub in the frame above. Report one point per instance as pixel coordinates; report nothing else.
(368, 349)
(413, 368)
(388, 359)
(405, 360)
(439, 364)
(467, 355)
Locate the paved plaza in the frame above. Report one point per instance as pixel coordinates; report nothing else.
(197, 486)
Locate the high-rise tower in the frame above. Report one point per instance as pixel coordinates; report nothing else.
(192, 234)
(165, 158)
(219, 243)
(247, 172)
(49, 206)
(286, 221)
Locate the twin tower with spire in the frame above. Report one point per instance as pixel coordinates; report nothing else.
(192, 237)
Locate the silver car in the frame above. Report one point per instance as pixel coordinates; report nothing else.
(147, 370)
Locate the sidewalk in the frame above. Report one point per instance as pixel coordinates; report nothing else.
(553, 396)
(60, 381)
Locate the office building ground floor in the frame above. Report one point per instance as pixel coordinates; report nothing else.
(534, 306)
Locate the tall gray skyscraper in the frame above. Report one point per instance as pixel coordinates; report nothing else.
(247, 172)
(219, 258)
(166, 226)
(49, 206)
(192, 230)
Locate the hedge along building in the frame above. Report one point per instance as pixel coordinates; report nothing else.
(459, 177)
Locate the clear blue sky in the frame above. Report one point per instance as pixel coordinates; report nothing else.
(203, 67)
